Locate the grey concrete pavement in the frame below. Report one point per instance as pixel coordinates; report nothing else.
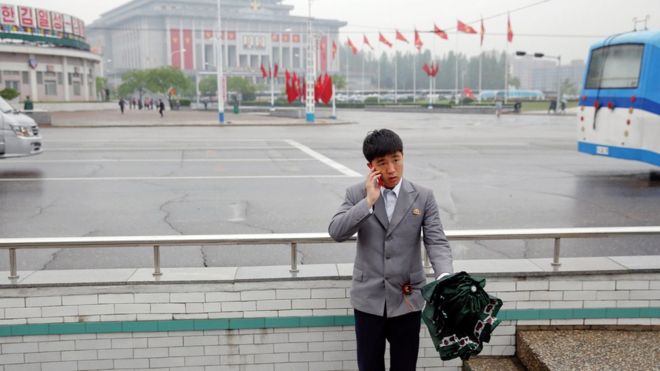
(515, 172)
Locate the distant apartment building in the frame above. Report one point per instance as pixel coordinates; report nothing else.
(153, 33)
(541, 74)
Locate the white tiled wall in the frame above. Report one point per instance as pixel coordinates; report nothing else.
(326, 348)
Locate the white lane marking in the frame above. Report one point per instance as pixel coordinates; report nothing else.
(228, 177)
(157, 160)
(113, 149)
(174, 140)
(333, 164)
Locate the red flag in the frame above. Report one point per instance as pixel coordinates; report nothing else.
(509, 30)
(175, 42)
(400, 37)
(434, 69)
(483, 31)
(350, 45)
(426, 69)
(275, 70)
(442, 34)
(366, 42)
(264, 73)
(187, 50)
(462, 27)
(382, 39)
(318, 86)
(326, 95)
(418, 41)
(334, 49)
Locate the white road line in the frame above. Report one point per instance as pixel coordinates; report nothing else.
(158, 160)
(333, 164)
(114, 149)
(174, 140)
(228, 177)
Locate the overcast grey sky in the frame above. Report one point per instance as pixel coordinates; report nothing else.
(555, 27)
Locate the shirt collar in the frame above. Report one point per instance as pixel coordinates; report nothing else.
(396, 189)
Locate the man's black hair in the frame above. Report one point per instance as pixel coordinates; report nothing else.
(380, 143)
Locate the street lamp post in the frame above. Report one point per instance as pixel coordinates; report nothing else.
(218, 48)
(309, 93)
(558, 59)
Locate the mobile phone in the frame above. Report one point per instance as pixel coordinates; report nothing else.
(379, 181)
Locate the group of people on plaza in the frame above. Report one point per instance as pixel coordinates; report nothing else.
(147, 104)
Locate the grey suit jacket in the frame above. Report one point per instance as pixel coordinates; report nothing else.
(389, 253)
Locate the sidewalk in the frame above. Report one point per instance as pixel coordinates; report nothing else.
(136, 118)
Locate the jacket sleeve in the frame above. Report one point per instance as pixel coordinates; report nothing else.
(435, 241)
(348, 218)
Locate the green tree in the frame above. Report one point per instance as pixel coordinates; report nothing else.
(568, 88)
(243, 86)
(156, 80)
(132, 81)
(9, 93)
(208, 86)
(160, 80)
(514, 81)
(339, 81)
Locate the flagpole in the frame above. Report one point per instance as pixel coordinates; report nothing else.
(378, 96)
(431, 90)
(272, 87)
(396, 77)
(414, 77)
(347, 55)
(506, 73)
(481, 55)
(363, 73)
(456, 72)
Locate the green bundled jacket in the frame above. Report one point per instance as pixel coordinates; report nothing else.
(459, 314)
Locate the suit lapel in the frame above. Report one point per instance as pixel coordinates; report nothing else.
(381, 213)
(379, 210)
(404, 202)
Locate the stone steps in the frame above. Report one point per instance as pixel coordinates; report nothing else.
(577, 349)
(570, 348)
(493, 364)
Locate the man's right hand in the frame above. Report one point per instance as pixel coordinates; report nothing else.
(372, 187)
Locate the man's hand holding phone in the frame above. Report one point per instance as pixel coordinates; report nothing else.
(373, 184)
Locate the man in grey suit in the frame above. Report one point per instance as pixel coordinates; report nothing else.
(388, 213)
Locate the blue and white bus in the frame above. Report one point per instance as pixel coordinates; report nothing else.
(619, 107)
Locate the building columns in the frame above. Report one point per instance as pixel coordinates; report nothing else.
(65, 80)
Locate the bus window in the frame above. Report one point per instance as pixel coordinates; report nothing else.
(615, 67)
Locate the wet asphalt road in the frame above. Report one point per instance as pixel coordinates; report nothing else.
(515, 172)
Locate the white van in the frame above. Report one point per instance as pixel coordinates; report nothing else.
(19, 134)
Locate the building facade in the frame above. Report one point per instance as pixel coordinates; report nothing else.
(153, 33)
(541, 74)
(44, 54)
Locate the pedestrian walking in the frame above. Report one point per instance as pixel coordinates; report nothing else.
(498, 108)
(161, 107)
(122, 104)
(27, 104)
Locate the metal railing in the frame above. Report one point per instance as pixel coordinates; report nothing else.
(293, 239)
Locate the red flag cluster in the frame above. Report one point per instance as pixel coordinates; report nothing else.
(468, 93)
(296, 88)
(431, 70)
(267, 73)
(350, 44)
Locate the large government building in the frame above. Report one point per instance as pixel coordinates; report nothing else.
(44, 54)
(152, 33)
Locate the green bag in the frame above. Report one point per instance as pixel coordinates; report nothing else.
(459, 314)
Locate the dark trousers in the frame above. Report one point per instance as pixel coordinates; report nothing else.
(401, 332)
